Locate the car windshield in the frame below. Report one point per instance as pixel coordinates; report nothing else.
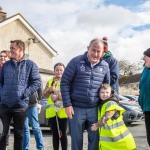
(125, 99)
(134, 97)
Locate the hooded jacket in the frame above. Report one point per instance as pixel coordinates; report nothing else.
(114, 70)
(144, 87)
(18, 80)
(80, 82)
(36, 96)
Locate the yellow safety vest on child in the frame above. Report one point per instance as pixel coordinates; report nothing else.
(114, 135)
(50, 111)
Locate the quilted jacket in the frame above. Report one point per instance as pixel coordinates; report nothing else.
(114, 70)
(18, 80)
(81, 82)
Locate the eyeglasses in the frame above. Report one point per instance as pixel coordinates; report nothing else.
(3, 56)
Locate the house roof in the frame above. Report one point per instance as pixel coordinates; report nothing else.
(31, 29)
(129, 79)
(46, 71)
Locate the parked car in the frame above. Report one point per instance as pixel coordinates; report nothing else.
(42, 117)
(133, 110)
(134, 97)
(123, 98)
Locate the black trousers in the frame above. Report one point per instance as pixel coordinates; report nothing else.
(18, 116)
(55, 137)
(7, 138)
(147, 124)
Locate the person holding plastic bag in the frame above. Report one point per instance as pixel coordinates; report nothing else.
(54, 109)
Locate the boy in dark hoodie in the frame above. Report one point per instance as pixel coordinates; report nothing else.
(113, 133)
(32, 119)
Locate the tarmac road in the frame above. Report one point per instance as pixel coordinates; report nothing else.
(139, 134)
(137, 130)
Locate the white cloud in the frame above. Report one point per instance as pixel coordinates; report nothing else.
(69, 25)
(132, 48)
(145, 5)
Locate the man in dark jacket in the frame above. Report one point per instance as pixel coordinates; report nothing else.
(113, 66)
(80, 84)
(19, 78)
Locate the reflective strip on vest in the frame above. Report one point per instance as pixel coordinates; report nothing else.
(109, 127)
(110, 103)
(109, 139)
(49, 106)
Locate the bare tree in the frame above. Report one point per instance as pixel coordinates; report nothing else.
(127, 68)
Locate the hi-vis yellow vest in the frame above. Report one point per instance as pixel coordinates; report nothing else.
(114, 135)
(50, 111)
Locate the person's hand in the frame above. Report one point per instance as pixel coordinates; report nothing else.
(94, 127)
(59, 97)
(39, 107)
(51, 89)
(69, 111)
(54, 97)
(57, 91)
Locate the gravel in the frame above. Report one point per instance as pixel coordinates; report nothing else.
(137, 130)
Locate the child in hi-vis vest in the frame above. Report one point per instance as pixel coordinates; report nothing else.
(113, 133)
(55, 113)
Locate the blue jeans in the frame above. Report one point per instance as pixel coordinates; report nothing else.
(32, 119)
(83, 119)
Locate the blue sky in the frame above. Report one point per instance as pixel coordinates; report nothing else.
(69, 25)
(130, 4)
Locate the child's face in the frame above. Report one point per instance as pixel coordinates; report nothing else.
(59, 71)
(105, 94)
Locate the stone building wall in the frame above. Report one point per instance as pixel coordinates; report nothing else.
(36, 51)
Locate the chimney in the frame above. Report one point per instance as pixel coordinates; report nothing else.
(2, 14)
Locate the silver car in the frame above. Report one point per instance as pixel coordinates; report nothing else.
(133, 110)
(42, 115)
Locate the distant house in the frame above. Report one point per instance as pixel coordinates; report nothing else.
(17, 27)
(129, 84)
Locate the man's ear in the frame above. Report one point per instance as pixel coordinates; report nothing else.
(88, 48)
(21, 49)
